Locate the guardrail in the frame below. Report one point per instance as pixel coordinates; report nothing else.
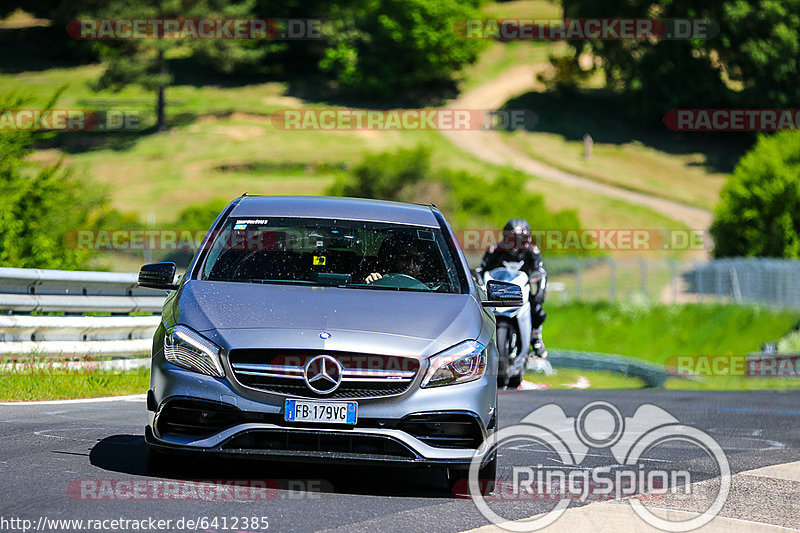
(75, 293)
(653, 375)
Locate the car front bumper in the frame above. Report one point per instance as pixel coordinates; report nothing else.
(263, 434)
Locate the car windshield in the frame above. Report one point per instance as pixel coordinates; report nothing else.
(327, 252)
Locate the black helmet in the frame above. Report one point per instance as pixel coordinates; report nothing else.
(517, 234)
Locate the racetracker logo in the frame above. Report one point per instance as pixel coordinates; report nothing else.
(68, 120)
(732, 119)
(632, 441)
(194, 29)
(622, 239)
(586, 29)
(403, 119)
(753, 366)
(209, 490)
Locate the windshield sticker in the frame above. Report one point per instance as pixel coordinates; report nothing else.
(425, 235)
(240, 226)
(252, 221)
(319, 259)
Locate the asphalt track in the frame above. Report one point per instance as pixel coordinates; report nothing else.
(47, 450)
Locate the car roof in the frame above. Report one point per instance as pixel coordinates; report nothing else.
(335, 207)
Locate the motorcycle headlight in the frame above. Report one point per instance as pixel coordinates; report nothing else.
(188, 349)
(462, 363)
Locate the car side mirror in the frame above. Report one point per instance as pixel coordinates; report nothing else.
(158, 276)
(502, 294)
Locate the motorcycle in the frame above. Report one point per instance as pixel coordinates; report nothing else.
(513, 323)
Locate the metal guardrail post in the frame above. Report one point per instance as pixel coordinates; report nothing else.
(737, 291)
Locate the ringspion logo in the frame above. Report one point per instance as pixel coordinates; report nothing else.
(598, 426)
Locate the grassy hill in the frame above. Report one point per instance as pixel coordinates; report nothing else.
(221, 142)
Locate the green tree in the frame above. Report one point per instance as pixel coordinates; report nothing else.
(392, 47)
(754, 61)
(759, 46)
(145, 62)
(759, 210)
(40, 205)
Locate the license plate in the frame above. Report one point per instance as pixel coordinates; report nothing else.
(325, 412)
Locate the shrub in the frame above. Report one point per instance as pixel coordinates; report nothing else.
(386, 176)
(41, 205)
(759, 209)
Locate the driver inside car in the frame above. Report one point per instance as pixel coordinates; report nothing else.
(399, 254)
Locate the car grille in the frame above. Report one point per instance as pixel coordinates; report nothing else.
(319, 444)
(363, 375)
(196, 417)
(444, 430)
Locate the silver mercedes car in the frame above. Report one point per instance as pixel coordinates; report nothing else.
(327, 329)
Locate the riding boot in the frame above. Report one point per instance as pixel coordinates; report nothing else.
(537, 344)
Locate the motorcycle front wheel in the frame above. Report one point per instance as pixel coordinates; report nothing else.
(508, 349)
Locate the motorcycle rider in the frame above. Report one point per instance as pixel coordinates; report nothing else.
(517, 246)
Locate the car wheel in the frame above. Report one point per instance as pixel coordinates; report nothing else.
(458, 478)
(507, 349)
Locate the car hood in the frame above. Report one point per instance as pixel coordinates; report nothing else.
(364, 320)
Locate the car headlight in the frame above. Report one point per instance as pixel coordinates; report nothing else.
(186, 348)
(462, 363)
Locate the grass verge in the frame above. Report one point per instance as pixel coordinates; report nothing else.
(732, 383)
(654, 332)
(47, 383)
(565, 378)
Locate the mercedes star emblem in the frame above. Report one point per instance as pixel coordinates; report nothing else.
(323, 374)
